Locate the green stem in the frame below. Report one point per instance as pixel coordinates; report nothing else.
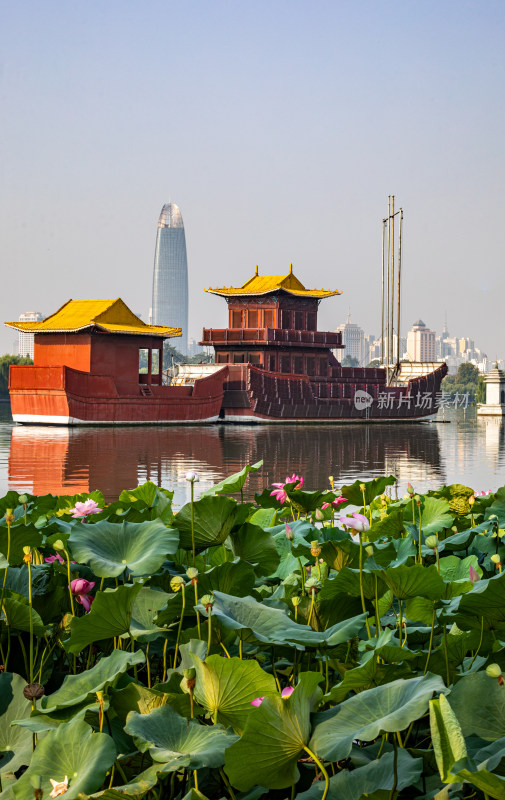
(431, 640)
(377, 615)
(193, 522)
(210, 629)
(400, 621)
(302, 573)
(69, 582)
(361, 590)
(180, 625)
(311, 605)
(227, 784)
(321, 767)
(480, 642)
(31, 618)
(446, 657)
(420, 537)
(197, 614)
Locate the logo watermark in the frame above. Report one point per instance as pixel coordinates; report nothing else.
(423, 401)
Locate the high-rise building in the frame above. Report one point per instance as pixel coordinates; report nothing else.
(170, 279)
(420, 342)
(353, 339)
(25, 338)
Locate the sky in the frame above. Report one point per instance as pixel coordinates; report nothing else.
(279, 128)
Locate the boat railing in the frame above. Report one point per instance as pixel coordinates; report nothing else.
(261, 335)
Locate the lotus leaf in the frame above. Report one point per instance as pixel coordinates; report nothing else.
(110, 615)
(256, 546)
(214, 518)
(233, 483)
(15, 742)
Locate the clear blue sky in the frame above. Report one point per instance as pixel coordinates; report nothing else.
(279, 128)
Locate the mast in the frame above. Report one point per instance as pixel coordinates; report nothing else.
(389, 358)
(384, 221)
(388, 303)
(398, 290)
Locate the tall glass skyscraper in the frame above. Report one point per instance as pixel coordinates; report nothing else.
(170, 279)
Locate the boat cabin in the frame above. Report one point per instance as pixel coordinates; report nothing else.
(273, 325)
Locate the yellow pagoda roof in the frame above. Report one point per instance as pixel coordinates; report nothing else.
(110, 316)
(265, 284)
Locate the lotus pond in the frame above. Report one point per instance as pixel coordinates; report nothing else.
(310, 644)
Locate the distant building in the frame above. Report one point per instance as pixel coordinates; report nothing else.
(353, 339)
(170, 278)
(374, 350)
(420, 343)
(26, 339)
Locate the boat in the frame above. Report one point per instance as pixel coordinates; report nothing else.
(97, 363)
(281, 368)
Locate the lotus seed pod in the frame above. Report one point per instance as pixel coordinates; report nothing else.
(493, 670)
(58, 545)
(315, 549)
(369, 550)
(495, 558)
(189, 674)
(432, 541)
(191, 572)
(177, 583)
(23, 499)
(33, 691)
(296, 600)
(313, 584)
(9, 516)
(207, 600)
(192, 477)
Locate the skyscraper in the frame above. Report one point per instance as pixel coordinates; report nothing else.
(25, 338)
(170, 278)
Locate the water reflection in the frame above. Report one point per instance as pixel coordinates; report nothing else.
(61, 460)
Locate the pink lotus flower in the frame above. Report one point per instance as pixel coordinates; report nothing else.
(279, 492)
(287, 692)
(357, 522)
(82, 510)
(56, 557)
(335, 503)
(81, 590)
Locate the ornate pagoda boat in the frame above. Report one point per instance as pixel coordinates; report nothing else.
(87, 371)
(281, 368)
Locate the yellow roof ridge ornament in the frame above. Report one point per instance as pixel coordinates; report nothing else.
(256, 270)
(266, 284)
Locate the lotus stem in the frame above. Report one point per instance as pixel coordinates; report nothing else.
(240, 646)
(480, 642)
(395, 770)
(446, 656)
(209, 617)
(165, 661)
(321, 767)
(196, 603)
(31, 617)
(148, 667)
(180, 625)
(69, 582)
(361, 590)
(227, 784)
(302, 573)
(377, 614)
(431, 640)
(193, 525)
(7, 555)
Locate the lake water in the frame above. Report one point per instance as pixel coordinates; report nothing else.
(42, 459)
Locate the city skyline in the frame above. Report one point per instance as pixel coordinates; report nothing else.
(286, 158)
(170, 274)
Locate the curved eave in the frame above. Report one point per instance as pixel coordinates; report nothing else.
(148, 330)
(317, 295)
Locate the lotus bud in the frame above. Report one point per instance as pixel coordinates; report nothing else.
(289, 532)
(417, 500)
(23, 499)
(296, 600)
(192, 574)
(313, 585)
(119, 511)
(331, 480)
(471, 500)
(493, 670)
(27, 558)
(58, 545)
(189, 674)
(496, 560)
(207, 601)
(177, 583)
(192, 477)
(369, 550)
(9, 516)
(315, 548)
(319, 515)
(362, 487)
(33, 691)
(432, 541)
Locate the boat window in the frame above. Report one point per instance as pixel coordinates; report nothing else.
(255, 358)
(238, 358)
(272, 366)
(323, 364)
(236, 319)
(252, 321)
(268, 318)
(222, 358)
(285, 364)
(299, 320)
(311, 365)
(286, 319)
(143, 360)
(311, 321)
(298, 365)
(155, 364)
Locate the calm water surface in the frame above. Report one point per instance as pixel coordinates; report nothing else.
(66, 461)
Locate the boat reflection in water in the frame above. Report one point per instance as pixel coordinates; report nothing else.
(71, 460)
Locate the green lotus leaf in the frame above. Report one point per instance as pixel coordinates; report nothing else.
(150, 496)
(110, 548)
(233, 483)
(414, 581)
(177, 742)
(77, 689)
(274, 626)
(251, 543)
(348, 582)
(72, 750)
(274, 738)
(16, 611)
(479, 704)
(21, 536)
(146, 606)
(214, 518)
(375, 776)
(226, 686)
(340, 553)
(136, 697)
(373, 488)
(490, 785)
(15, 743)
(232, 577)
(3, 561)
(485, 604)
(453, 568)
(448, 741)
(435, 516)
(49, 589)
(384, 709)
(391, 526)
(110, 615)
